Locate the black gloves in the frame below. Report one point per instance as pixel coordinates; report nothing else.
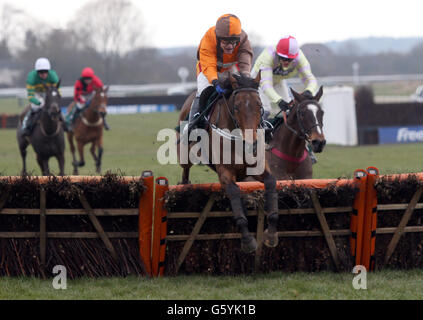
(283, 105)
(308, 95)
(218, 85)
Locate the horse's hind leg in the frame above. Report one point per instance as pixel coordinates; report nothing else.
(248, 242)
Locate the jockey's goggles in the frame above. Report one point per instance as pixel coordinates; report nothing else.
(285, 59)
(227, 42)
(42, 71)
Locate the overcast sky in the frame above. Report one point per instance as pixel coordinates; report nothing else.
(183, 23)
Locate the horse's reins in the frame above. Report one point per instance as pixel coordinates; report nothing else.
(99, 122)
(43, 131)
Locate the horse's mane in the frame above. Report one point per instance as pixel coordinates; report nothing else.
(243, 82)
(246, 82)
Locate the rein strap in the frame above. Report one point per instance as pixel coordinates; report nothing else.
(286, 157)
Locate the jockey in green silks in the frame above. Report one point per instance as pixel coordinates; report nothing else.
(37, 79)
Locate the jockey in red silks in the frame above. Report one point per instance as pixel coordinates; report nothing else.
(83, 92)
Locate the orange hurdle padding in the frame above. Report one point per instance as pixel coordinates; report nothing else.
(159, 227)
(72, 179)
(357, 216)
(145, 221)
(370, 221)
(251, 186)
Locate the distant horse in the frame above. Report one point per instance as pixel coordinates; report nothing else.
(47, 137)
(88, 128)
(287, 155)
(242, 110)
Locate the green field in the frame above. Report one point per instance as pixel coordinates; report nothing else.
(131, 146)
(274, 286)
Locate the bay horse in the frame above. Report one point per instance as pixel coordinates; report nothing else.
(47, 137)
(88, 128)
(242, 110)
(287, 155)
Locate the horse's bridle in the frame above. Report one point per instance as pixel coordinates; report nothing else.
(303, 134)
(46, 108)
(232, 97)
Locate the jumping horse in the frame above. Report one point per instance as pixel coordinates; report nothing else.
(242, 110)
(287, 155)
(47, 137)
(88, 128)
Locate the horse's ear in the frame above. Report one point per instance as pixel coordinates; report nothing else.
(233, 81)
(106, 88)
(296, 95)
(319, 94)
(258, 78)
(58, 84)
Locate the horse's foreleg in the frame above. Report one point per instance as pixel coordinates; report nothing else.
(43, 165)
(22, 149)
(46, 171)
(72, 149)
(272, 212)
(100, 155)
(81, 162)
(61, 161)
(185, 174)
(92, 150)
(248, 242)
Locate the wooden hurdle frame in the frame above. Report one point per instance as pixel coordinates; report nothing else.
(152, 229)
(86, 210)
(259, 212)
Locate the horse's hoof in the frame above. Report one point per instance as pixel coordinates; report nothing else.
(81, 164)
(270, 239)
(249, 244)
(184, 182)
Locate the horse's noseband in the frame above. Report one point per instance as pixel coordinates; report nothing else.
(304, 133)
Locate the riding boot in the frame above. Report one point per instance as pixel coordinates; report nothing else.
(193, 115)
(311, 153)
(106, 126)
(28, 123)
(61, 119)
(70, 118)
